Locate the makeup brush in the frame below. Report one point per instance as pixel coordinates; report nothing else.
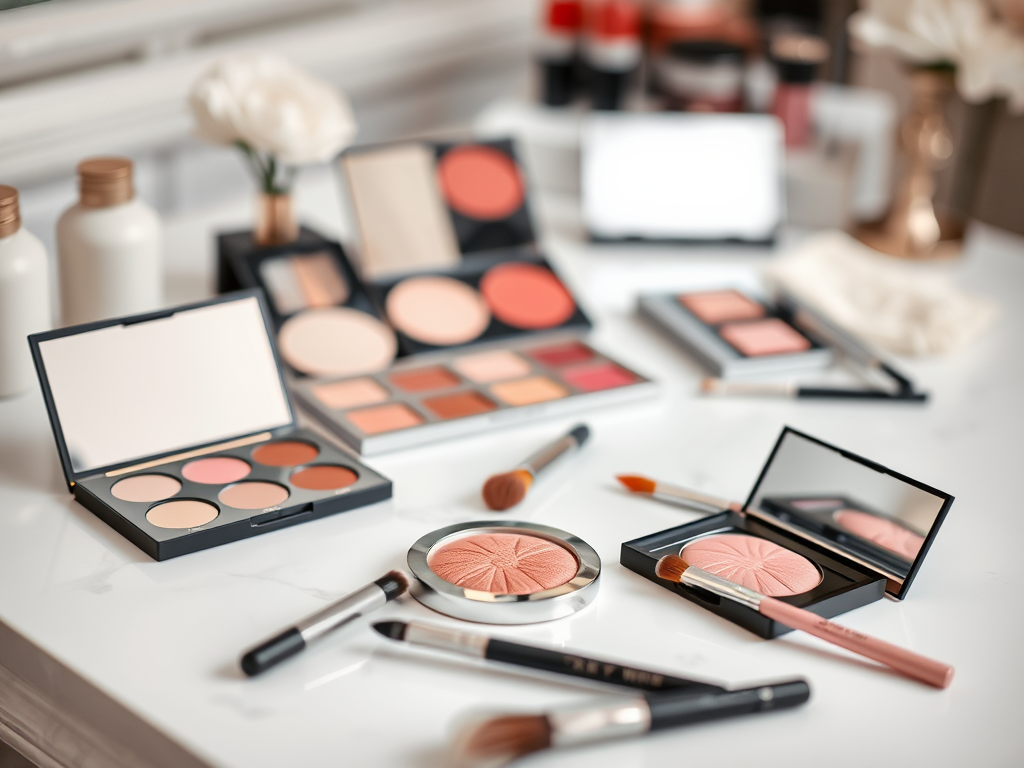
(542, 659)
(504, 738)
(509, 488)
(791, 390)
(294, 639)
(673, 494)
(674, 568)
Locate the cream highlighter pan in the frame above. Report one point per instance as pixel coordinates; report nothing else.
(503, 563)
(753, 563)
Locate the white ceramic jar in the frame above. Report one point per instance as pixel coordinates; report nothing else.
(24, 296)
(108, 247)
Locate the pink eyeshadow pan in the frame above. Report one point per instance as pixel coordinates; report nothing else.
(753, 563)
(215, 470)
(880, 531)
(594, 378)
(764, 337)
(503, 563)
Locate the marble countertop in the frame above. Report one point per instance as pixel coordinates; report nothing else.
(146, 652)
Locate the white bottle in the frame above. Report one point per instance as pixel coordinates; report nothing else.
(24, 295)
(108, 247)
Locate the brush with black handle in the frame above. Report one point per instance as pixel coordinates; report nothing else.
(504, 738)
(479, 646)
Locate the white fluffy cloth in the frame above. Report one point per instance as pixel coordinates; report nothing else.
(894, 305)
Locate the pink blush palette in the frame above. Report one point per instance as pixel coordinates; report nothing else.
(456, 393)
(734, 334)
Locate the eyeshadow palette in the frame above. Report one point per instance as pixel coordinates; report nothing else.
(452, 394)
(178, 462)
(780, 544)
(735, 335)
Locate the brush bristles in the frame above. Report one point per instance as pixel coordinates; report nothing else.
(501, 740)
(671, 568)
(507, 490)
(636, 484)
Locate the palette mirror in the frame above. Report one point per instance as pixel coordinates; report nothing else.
(851, 505)
(141, 390)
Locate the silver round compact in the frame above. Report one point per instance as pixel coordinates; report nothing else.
(504, 572)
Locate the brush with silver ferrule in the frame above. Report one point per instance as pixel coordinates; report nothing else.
(674, 494)
(294, 639)
(479, 646)
(509, 488)
(673, 568)
(504, 738)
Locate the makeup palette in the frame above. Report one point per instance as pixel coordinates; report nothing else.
(447, 247)
(445, 395)
(734, 334)
(175, 428)
(823, 529)
(504, 572)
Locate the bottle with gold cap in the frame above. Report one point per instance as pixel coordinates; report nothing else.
(108, 247)
(24, 295)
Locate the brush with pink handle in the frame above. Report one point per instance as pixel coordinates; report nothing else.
(674, 568)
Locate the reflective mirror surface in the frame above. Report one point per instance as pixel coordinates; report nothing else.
(868, 512)
(200, 376)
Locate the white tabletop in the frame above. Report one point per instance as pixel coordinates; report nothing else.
(86, 618)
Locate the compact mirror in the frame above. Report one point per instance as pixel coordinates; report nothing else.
(854, 506)
(164, 383)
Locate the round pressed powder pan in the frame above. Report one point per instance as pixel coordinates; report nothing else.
(504, 572)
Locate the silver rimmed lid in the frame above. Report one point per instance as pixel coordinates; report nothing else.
(490, 608)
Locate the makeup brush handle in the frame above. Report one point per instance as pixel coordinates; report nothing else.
(907, 662)
(671, 709)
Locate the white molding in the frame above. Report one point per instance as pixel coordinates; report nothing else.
(379, 52)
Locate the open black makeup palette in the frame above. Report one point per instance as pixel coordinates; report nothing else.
(733, 334)
(823, 529)
(175, 428)
(484, 330)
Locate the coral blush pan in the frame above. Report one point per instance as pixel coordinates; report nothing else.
(675, 569)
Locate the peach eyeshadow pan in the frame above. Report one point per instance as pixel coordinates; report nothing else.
(350, 394)
(183, 513)
(255, 494)
(385, 418)
(497, 365)
(764, 337)
(536, 389)
(714, 307)
(753, 563)
(144, 488)
(215, 470)
(440, 311)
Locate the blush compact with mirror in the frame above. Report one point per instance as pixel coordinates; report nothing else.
(823, 529)
(175, 428)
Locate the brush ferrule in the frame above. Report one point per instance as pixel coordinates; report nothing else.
(589, 722)
(549, 454)
(445, 639)
(367, 599)
(696, 577)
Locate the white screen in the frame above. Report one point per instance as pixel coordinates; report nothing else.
(679, 177)
(129, 392)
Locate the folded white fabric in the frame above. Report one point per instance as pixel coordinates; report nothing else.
(899, 306)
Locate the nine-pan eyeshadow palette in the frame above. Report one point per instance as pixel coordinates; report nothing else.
(453, 394)
(734, 334)
(178, 462)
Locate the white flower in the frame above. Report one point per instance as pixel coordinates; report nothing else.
(274, 107)
(988, 55)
